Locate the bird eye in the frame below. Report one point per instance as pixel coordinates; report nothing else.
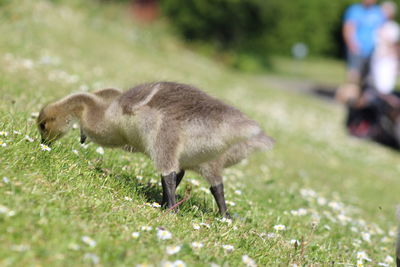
(42, 126)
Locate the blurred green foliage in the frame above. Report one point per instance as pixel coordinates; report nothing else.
(258, 26)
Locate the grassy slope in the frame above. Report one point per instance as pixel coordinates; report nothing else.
(48, 51)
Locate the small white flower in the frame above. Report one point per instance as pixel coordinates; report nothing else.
(361, 255)
(128, 198)
(163, 234)
(34, 115)
(140, 178)
(89, 241)
(389, 259)
(135, 235)
(3, 133)
(146, 228)
(238, 192)
(179, 263)
(280, 227)
(75, 151)
(100, 150)
(228, 248)
(225, 220)
(230, 203)
(321, 201)
(248, 261)
(155, 205)
(194, 182)
(92, 257)
(196, 226)
(45, 147)
(6, 180)
(383, 264)
(16, 132)
(75, 126)
(84, 146)
(3, 144)
(171, 250)
(27, 63)
(360, 263)
(28, 138)
(205, 190)
(366, 237)
(196, 245)
(153, 181)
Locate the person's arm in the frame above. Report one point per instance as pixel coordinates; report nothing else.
(349, 30)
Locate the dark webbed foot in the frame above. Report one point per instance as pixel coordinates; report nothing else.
(218, 193)
(179, 177)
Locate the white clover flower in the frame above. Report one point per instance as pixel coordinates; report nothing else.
(171, 250)
(163, 234)
(205, 190)
(128, 198)
(146, 228)
(3, 133)
(179, 263)
(238, 192)
(16, 132)
(366, 237)
(45, 147)
(383, 264)
(228, 248)
(135, 235)
(88, 241)
(389, 259)
(92, 257)
(34, 115)
(100, 150)
(280, 227)
(230, 203)
(194, 182)
(75, 151)
(196, 226)
(214, 265)
(205, 225)
(28, 138)
(271, 235)
(225, 220)
(248, 261)
(6, 211)
(196, 245)
(6, 180)
(299, 212)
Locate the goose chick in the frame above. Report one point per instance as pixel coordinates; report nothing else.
(178, 126)
(107, 95)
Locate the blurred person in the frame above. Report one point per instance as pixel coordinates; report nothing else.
(385, 59)
(361, 22)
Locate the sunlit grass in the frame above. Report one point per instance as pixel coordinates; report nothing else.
(318, 198)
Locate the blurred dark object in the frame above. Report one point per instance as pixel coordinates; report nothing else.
(145, 10)
(377, 120)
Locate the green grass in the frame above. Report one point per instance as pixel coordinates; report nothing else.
(50, 200)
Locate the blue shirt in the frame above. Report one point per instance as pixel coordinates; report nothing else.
(366, 20)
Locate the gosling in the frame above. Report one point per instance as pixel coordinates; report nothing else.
(178, 126)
